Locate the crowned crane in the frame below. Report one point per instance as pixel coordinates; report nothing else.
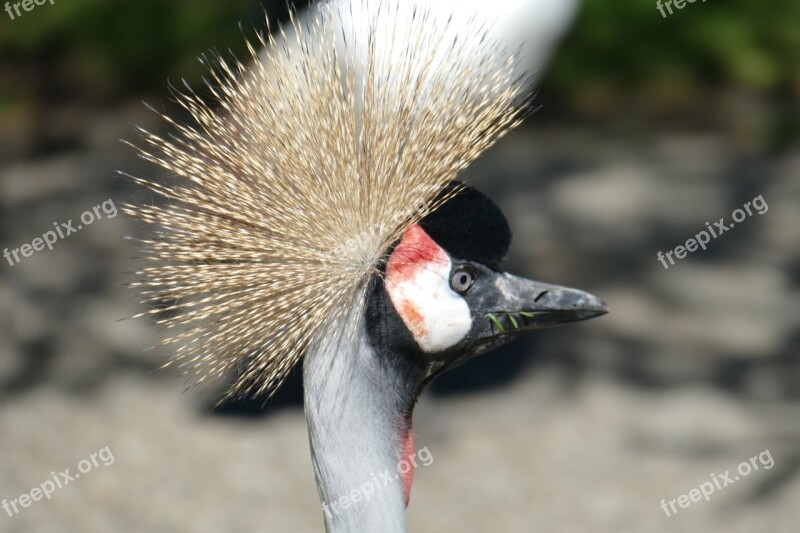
(317, 214)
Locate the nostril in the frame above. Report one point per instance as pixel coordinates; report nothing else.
(542, 295)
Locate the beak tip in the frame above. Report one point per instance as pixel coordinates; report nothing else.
(597, 308)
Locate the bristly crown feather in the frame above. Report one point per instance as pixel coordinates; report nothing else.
(287, 193)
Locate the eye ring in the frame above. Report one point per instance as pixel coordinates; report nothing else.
(462, 279)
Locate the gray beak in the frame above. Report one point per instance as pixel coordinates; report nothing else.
(516, 305)
(507, 306)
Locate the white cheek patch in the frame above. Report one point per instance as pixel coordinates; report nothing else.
(418, 284)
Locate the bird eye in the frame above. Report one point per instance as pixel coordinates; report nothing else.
(462, 279)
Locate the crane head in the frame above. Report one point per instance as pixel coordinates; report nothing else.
(444, 298)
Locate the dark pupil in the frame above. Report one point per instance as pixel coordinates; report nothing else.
(464, 280)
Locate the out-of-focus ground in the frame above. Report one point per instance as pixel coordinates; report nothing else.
(585, 428)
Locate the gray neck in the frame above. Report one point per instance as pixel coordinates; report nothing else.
(356, 407)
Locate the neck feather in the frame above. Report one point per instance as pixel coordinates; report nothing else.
(358, 407)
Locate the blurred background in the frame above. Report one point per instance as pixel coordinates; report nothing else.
(648, 128)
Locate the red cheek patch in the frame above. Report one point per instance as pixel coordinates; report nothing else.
(416, 253)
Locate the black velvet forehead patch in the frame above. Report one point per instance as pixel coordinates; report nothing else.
(470, 226)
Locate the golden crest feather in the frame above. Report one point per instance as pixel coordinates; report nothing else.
(287, 193)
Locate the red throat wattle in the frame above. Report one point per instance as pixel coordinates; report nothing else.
(407, 455)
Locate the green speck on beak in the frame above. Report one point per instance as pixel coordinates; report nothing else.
(496, 323)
